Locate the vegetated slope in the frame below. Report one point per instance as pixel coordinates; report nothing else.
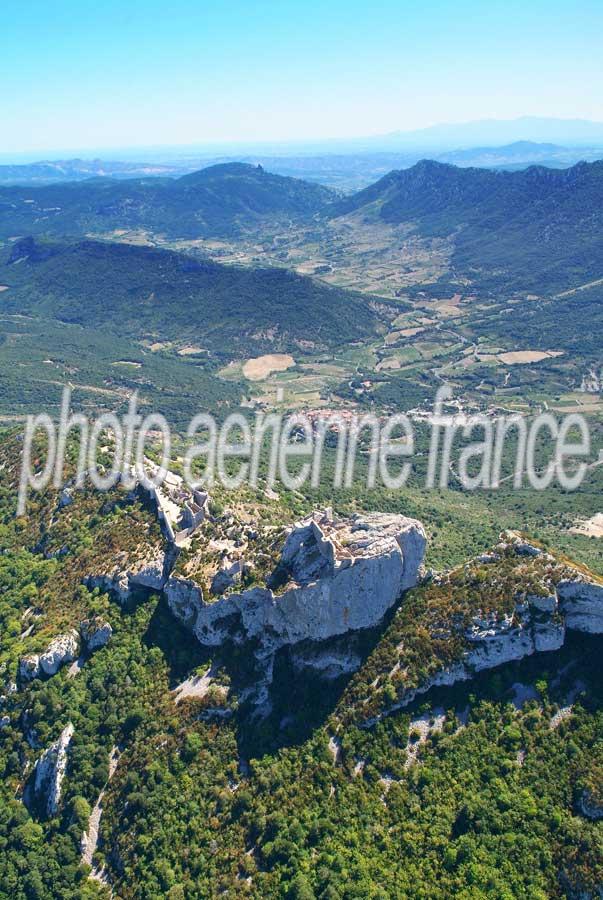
(38, 356)
(539, 229)
(219, 200)
(144, 292)
(572, 323)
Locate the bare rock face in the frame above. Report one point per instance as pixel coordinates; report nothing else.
(50, 771)
(581, 603)
(29, 667)
(548, 635)
(502, 642)
(149, 574)
(334, 576)
(148, 571)
(64, 649)
(533, 627)
(95, 633)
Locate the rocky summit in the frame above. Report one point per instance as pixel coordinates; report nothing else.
(334, 575)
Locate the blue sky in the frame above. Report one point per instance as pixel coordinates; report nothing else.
(113, 74)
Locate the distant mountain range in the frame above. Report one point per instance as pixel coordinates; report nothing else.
(521, 154)
(441, 137)
(494, 132)
(344, 171)
(218, 200)
(55, 171)
(354, 171)
(538, 229)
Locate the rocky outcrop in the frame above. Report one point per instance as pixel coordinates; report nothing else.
(334, 576)
(148, 571)
(63, 649)
(95, 633)
(116, 583)
(50, 772)
(29, 667)
(514, 540)
(149, 574)
(65, 498)
(228, 575)
(538, 624)
(534, 626)
(592, 382)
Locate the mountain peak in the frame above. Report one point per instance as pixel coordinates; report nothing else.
(221, 170)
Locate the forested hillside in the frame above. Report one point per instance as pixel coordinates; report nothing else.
(219, 200)
(536, 230)
(146, 293)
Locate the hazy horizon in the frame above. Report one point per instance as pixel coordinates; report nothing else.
(147, 76)
(435, 136)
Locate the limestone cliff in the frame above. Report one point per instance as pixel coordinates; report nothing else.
(50, 772)
(333, 576)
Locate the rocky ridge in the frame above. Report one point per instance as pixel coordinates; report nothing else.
(180, 512)
(330, 577)
(540, 598)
